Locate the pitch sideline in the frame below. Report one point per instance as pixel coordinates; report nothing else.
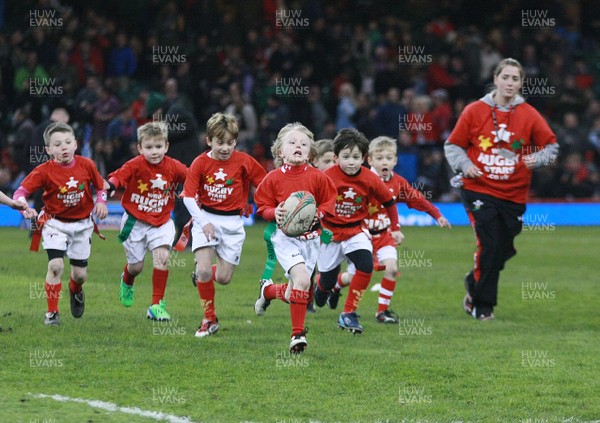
(109, 406)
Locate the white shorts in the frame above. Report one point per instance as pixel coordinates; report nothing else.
(384, 253)
(145, 237)
(292, 251)
(333, 254)
(230, 236)
(73, 237)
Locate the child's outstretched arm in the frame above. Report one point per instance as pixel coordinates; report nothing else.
(20, 196)
(13, 204)
(443, 222)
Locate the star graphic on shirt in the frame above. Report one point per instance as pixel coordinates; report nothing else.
(349, 193)
(210, 179)
(72, 183)
(484, 143)
(358, 200)
(220, 175)
(339, 198)
(229, 181)
(159, 182)
(63, 190)
(517, 144)
(373, 208)
(502, 134)
(142, 186)
(81, 186)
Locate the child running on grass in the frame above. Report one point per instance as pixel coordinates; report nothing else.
(382, 158)
(297, 255)
(357, 187)
(149, 180)
(65, 223)
(215, 193)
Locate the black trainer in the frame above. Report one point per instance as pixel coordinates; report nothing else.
(387, 316)
(483, 313)
(298, 342)
(333, 299)
(77, 303)
(349, 321)
(320, 297)
(52, 318)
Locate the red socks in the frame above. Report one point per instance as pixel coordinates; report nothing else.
(385, 294)
(53, 295)
(276, 292)
(159, 283)
(339, 284)
(358, 285)
(127, 278)
(74, 286)
(298, 301)
(207, 298)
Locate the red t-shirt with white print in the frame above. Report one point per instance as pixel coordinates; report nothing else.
(498, 149)
(354, 194)
(67, 189)
(223, 185)
(149, 189)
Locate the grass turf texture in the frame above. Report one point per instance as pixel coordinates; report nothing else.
(537, 362)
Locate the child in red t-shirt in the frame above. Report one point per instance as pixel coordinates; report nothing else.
(149, 181)
(65, 222)
(382, 158)
(215, 193)
(297, 255)
(356, 187)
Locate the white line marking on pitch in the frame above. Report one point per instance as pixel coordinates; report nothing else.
(109, 406)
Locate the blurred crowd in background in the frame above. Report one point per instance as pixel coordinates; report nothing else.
(404, 69)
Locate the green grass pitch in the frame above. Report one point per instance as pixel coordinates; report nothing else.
(537, 362)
